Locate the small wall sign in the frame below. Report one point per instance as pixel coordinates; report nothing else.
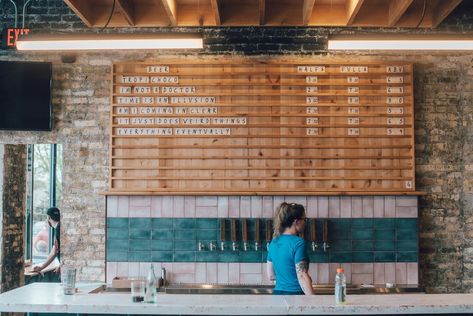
(10, 36)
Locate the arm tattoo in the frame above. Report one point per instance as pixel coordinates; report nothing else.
(302, 267)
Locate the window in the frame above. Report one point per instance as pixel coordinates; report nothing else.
(44, 189)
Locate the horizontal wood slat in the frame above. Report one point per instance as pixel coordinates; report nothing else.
(205, 126)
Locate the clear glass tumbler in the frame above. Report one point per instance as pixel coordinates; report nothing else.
(137, 291)
(68, 279)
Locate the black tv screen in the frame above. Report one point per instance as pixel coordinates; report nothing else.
(25, 96)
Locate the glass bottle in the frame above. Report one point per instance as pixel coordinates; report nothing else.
(340, 287)
(151, 283)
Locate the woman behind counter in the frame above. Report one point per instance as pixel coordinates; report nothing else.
(288, 262)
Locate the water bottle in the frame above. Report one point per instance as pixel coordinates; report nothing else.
(151, 282)
(340, 287)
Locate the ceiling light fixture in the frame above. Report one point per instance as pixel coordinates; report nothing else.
(401, 42)
(56, 42)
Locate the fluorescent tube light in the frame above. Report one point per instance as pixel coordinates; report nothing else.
(109, 41)
(400, 42)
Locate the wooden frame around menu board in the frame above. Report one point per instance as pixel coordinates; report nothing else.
(210, 126)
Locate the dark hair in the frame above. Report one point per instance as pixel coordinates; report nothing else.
(54, 213)
(286, 214)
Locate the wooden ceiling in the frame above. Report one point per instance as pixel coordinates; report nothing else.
(366, 13)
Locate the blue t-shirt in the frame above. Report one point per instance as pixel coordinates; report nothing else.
(285, 251)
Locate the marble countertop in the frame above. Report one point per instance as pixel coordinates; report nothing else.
(49, 298)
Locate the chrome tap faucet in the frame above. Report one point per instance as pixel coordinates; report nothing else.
(245, 246)
(314, 246)
(234, 246)
(325, 246)
(212, 246)
(222, 245)
(201, 246)
(257, 246)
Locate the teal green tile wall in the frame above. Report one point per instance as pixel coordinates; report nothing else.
(176, 240)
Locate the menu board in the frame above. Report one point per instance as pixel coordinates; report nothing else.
(212, 126)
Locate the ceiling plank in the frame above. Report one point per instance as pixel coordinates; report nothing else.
(307, 8)
(128, 11)
(396, 9)
(353, 7)
(170, 8)
(262, 12)
(442, 10)
(83, 11)
(216, 10)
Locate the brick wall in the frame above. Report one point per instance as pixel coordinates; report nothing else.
(443, 118)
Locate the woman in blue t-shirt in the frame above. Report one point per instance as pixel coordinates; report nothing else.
(287, 261)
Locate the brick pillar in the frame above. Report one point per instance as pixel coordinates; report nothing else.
(13, 198)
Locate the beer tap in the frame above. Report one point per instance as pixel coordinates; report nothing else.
(244, 233)
(313, 234)
(233, 229)
(269, 231)
(257, 239)
(222, 234)
(325, 244)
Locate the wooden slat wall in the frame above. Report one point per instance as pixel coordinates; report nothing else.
(270, 127)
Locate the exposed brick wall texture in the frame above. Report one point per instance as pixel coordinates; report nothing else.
(443, 118)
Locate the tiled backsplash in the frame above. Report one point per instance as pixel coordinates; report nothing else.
(374, 238)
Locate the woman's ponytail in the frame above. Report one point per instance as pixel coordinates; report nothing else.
(286, 214)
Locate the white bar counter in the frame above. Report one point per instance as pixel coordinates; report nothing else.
(49, 298)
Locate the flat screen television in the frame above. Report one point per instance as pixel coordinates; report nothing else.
(25, 96)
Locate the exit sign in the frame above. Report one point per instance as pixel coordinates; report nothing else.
(10, 36)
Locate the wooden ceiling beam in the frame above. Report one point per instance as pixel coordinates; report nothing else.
(128, 11)
(171, 10)
(307, 8)
(262, 12)
(216, 11)
(352, 8)
(396, 9)
(442, 10)
(83, 10)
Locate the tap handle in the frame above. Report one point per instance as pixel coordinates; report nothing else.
(313, 230)
(269, 230)
(325, 231)
(222, 229)
(257, 237)
(244, 229)
(233, 230)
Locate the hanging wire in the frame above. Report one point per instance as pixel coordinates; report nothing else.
(24, 12)
(110, 16)
(423, 14)
(16, 13)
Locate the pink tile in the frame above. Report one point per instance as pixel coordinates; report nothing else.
(206, 201)
(250, 268)
(379, 206)
(222, 273)
(277, 200)
(183, 267)
(140, 211)
(206, 211)
(412, 273)
(123, 206)
(265, 279)
(189, 206)
(389, 206)
(134, 269)
(169, 271)
(332, 271)
(234, 206)
(323, 206)
(334, 207)
(323, 273)
(356, 207)
(379, 274)
(178, 206)
(222, 207)
(302, 200)
(347, 267)
(245, 206)
(251, 278)
(144, 268)
(111, 271)
(401, 273)
(312, 207)
(234, 273)
(390, 272)
(156, 206)
(140, 201)
(200, 272)
(368, 206)
(406, 201)
(362, 278)
(112, 206)
(256, 206)
(212, 273)
(313, 272)
(183, 278)
(268, 210)
(362, 268)
(406, 211)
(345, 206)
(123, 270)
(168, 206)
